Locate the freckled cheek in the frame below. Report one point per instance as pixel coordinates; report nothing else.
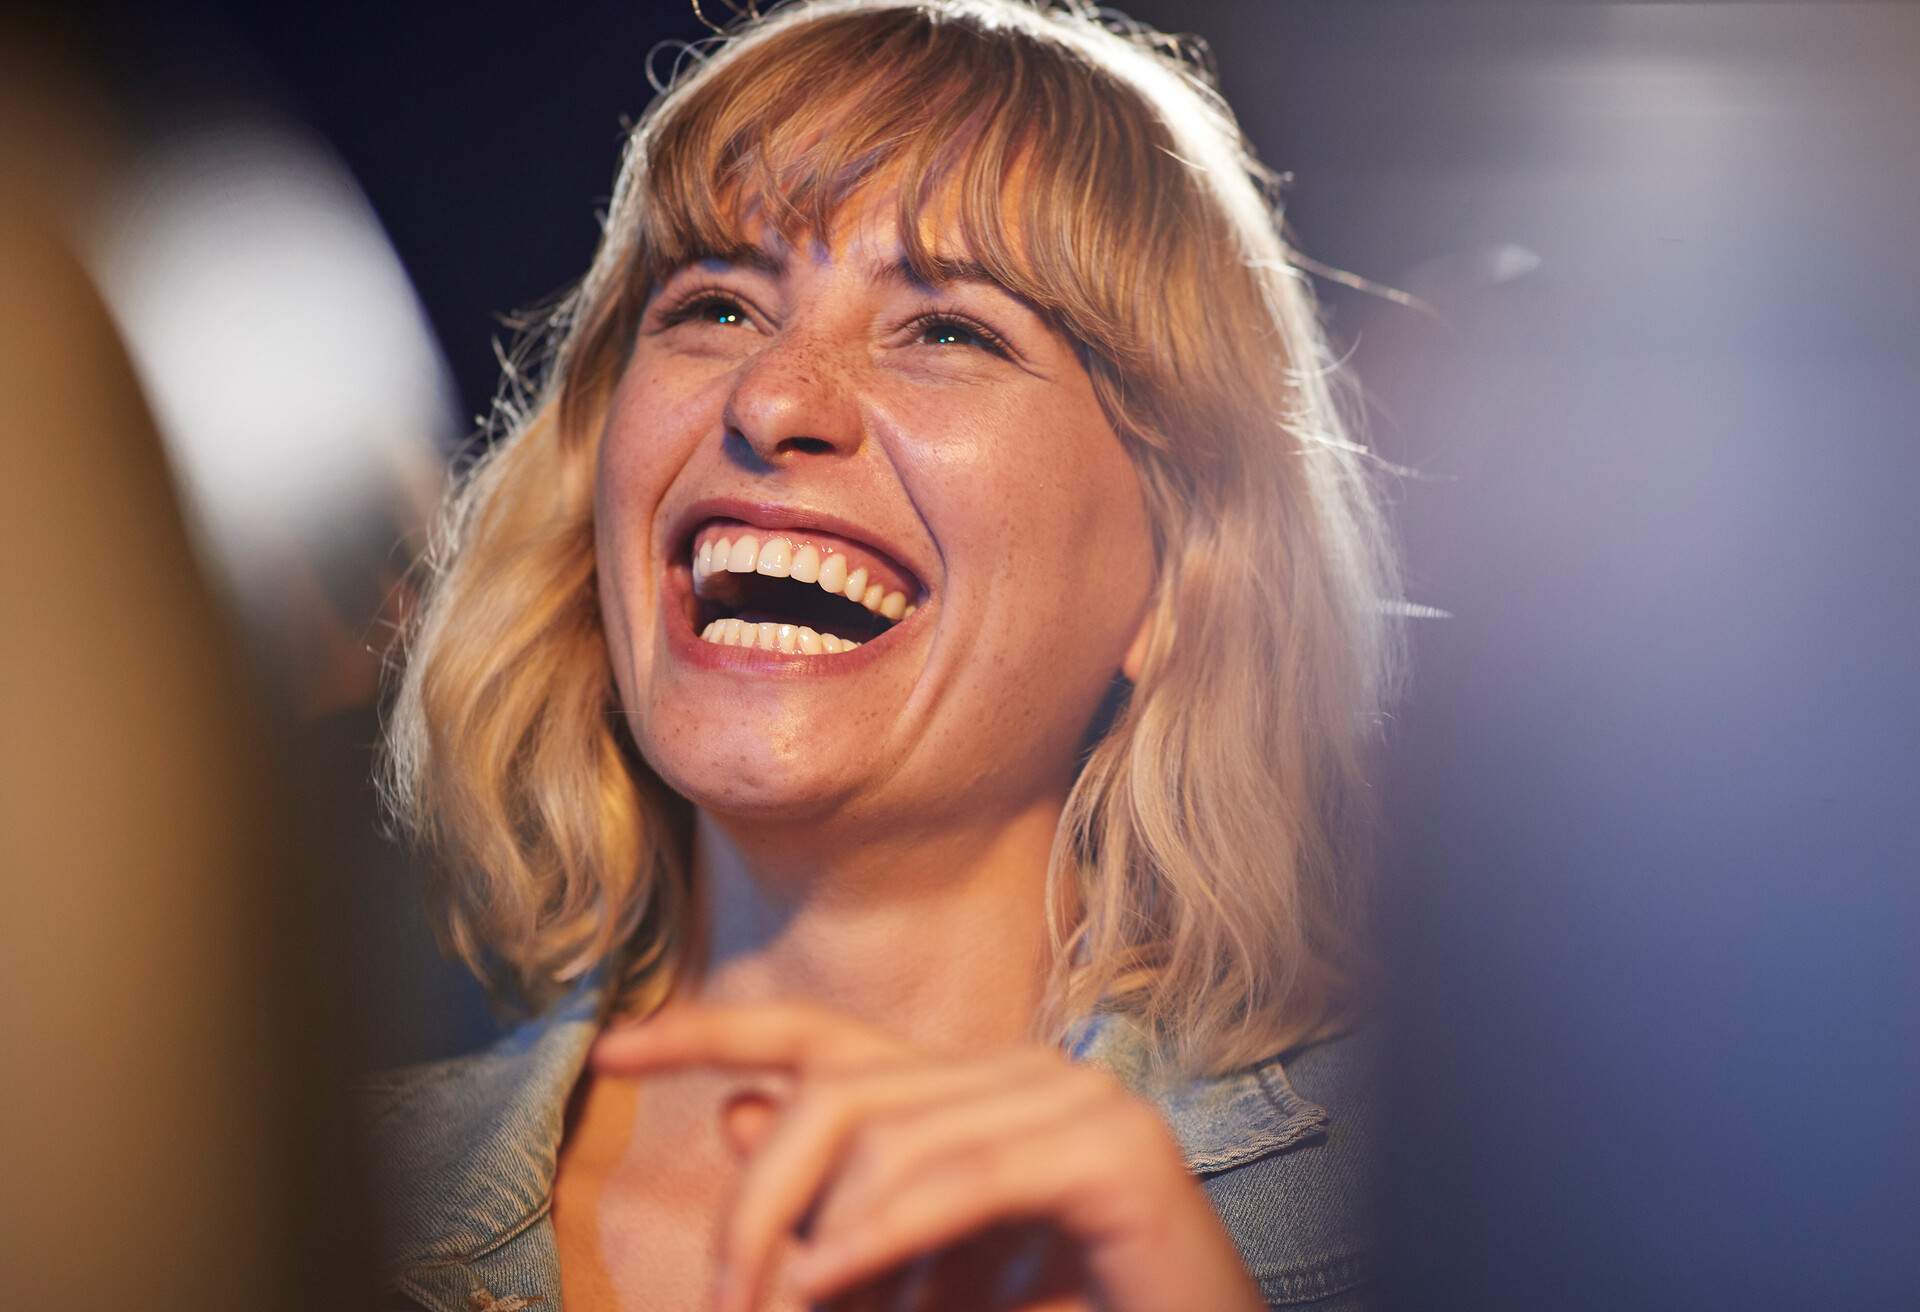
(633, 468)
(622, 502)
(654, 426)
(619, 599)
(1049, 499)
(630, 449)
(622, 508)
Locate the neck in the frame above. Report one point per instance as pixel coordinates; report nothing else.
(939, 938)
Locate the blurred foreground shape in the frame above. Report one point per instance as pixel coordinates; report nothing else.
(170, 1135)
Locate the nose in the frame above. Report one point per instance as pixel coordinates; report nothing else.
(792, 400)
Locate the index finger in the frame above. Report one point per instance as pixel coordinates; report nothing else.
(793, 1036)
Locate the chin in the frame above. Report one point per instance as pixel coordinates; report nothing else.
(748, 770)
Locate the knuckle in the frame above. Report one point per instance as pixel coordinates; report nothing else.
(985, 1169)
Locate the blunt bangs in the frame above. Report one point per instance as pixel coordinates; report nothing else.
(1056, 180)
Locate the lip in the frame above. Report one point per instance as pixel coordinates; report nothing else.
(677, 599)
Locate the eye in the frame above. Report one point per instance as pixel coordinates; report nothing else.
(706, 307)
(954, 330)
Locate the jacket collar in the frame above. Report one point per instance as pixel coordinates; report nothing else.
(465, 1151)
(1219, 1122)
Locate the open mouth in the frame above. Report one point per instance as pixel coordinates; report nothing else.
(797, 592)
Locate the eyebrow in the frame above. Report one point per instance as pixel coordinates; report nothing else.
(744, 257)
(946, 271)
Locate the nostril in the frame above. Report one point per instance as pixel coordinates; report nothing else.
(813, 446)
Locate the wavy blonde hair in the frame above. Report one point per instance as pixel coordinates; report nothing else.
(1207, 875)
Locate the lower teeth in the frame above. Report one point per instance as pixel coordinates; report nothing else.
(792, 639)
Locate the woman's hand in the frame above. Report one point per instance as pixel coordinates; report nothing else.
(882, 1154)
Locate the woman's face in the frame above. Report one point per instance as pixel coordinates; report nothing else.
(819, 403)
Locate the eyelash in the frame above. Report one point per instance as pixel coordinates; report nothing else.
(988, 338)
(689, 307)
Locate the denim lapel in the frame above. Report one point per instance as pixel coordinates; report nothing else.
(1220, 1121)
(464, 1152)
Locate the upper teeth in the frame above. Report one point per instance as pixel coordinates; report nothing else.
(778, 558)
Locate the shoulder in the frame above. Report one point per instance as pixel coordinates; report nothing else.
(459, 1154)
(1302, 1213)
(1287, 1150)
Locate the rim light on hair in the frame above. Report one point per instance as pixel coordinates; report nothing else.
(1209, 871)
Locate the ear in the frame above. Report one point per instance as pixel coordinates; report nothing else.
(1136, 657)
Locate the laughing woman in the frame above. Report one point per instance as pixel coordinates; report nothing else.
(895, 707)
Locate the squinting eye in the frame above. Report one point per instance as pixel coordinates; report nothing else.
(944, 330)
(721, 311)
(948, 333)
(715, 309)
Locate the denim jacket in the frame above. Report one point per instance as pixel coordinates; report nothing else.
(462, 1155)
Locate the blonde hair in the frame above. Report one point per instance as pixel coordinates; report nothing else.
(1207, 875)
